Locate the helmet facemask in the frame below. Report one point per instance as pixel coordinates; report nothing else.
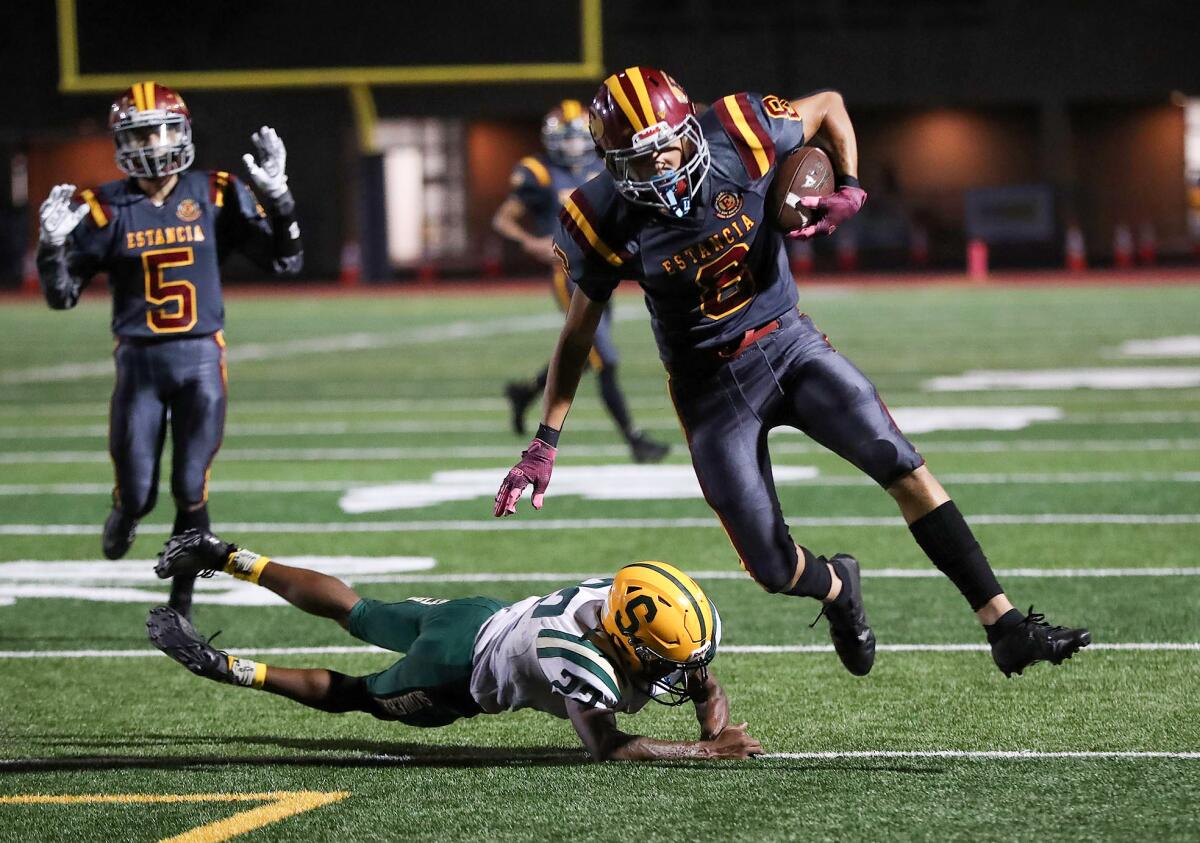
(173, 152)
(633, 169)
(666, 681)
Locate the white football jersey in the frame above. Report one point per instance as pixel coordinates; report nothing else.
(536, 653)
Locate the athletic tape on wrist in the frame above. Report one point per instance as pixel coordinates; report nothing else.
(248, 673)
(246, 565)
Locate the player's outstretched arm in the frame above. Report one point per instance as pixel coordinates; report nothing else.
(57, 220)
(597, 728)
(825, 114)
(566, 368)
(712, 704)
(276, 246)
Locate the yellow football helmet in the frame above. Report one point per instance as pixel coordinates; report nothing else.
(662, 626)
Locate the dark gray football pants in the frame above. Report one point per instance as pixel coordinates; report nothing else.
(185, 376)
(791, 377)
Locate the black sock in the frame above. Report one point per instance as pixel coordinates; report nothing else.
(188, 519)
(614, 400)
(949, 543)
(996, 631)
(815, 580)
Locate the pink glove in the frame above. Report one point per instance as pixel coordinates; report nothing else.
(830, 211)
(537, 461)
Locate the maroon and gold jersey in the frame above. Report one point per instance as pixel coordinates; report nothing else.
(717, 272)
(163, 263)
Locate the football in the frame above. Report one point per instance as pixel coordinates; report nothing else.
(805, 172)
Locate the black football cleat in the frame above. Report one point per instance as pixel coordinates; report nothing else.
(172, 633)
(853, 639)
(520, 396)
(194, 552)
(1033, 640)
(647, 450)
(119, 533)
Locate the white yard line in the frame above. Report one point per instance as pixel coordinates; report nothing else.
(509, 450)
(498, 525)
(317, 486)
(744, 649)
(981, 755)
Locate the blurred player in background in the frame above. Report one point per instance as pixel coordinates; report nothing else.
(161, 235)
(527, 218)
(681, 208)
(583, 653)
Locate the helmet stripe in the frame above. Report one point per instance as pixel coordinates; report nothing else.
(151, 99)
(571, 109)
(613, 83)
(634, 75)
(138, 103)
(674, 579)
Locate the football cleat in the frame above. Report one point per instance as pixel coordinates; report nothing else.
(1033, 640)
(172, 633)
(853, 639)
(520, 396)
(647, 450)
(193, 552)
(119, 533)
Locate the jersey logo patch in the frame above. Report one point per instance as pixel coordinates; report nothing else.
(778, 107)
(188, 210)
(727, 204)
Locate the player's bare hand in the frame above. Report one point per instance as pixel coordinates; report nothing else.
(269, 172)
(830, 211)
(58, 219)
(537, 462)
(734, 743)
(540, 248)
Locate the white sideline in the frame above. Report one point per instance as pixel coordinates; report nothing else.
(752, 649)
(534, 523)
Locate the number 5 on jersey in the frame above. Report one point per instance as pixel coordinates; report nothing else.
(172, 307)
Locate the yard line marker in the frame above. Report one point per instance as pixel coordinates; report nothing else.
(278, 805)
(498, 525)
(742, 649)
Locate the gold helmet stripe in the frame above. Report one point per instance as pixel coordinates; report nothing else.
(613, 83)
(643, 94)
(704, 623)
(149, 95)
(571, 109)
(138, 102)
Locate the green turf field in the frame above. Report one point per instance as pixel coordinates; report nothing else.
(1093, 511)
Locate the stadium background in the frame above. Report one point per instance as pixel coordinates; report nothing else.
(1080, 106)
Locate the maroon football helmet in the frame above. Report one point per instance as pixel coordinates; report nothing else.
(637, 112)
(152, 129)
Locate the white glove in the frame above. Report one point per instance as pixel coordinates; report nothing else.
(268, 174)
(57, 216)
